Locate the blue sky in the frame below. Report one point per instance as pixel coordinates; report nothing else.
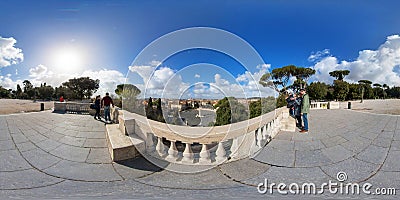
(100, 39)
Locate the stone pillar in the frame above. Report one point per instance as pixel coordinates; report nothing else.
(187, 154)
(205, 155)
(220, 154)
(172, 152)
(160, 148)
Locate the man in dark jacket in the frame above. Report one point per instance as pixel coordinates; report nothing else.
(106, 102)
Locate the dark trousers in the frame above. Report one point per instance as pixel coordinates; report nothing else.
(97, 114)
(299, 121)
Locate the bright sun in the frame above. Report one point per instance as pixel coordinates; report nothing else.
(67, 60)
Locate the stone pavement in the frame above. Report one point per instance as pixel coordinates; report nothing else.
(49, 155)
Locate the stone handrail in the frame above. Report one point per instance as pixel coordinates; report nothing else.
(242, 139)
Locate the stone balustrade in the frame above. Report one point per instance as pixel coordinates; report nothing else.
(324, 105)
(203, 145)
(83, 108)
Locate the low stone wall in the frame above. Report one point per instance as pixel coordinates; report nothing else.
(230, 142)
(325, 105)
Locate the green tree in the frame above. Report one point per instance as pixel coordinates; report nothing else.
(366, 89)
(82, 87)
(341, 89)
(317, 90)
(127, 94)
(4, 93)
(19, 92)
(339, 74)
(45, 91)
(29, 89)
(354, 92)
(302, 75)
(229, 110)
(255, 108)
(127, 91)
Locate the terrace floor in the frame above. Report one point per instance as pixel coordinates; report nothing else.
(49, 155)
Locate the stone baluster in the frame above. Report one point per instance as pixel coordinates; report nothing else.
(160, 148)
(187, 154)
(220, 154)
(259, 137)
(172, 152)
(149, 143)
(205, 154)
(264, 132)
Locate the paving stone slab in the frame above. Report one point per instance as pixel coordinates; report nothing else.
(243, 169)
(284, 136)
(92, 134)
(19, 138)
(311, 158)
(95, 143)
(308, 145)
(276, 157)
(384, 179)
(40, 159)
(6, 145)
(337, 153)
(99, 155)
(283, 145)
(210, 179)
(382, 142)
(48, 145)
(83, 171)
(291, 175)
(373, 154)
(26, 146)
(392, 162)
(73, 141)
(11, 160)
(333, 141)
(26, 179)
(71, 153)
(355, 169)
(135, 168)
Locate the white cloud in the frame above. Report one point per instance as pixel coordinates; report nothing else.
(167, 83)
(9, 54)
(36, 71)
(318, 55)
(109, 79)
(379, 66)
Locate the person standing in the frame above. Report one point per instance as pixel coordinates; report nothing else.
(106, 102)
(97, 106)
(305, 109)
(297, 111)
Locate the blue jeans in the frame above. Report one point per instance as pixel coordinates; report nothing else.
(107, 116)
(305, 121)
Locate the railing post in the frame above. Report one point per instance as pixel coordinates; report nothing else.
(220, 153)
(259, 137)
(149, 143)
(187, 154)
(205, 155)
(160, 148)
(172, 152)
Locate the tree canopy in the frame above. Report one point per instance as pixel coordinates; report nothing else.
(82, 87)
(339, 74)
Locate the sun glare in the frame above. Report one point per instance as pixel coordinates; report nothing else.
(68, 60)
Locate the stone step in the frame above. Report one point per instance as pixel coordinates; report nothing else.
(122, 147)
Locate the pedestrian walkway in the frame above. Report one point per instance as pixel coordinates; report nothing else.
(49, 155)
